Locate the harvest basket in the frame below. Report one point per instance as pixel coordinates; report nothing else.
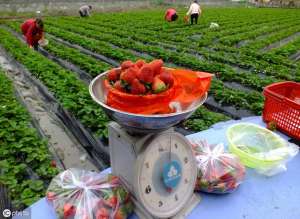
(282, 106)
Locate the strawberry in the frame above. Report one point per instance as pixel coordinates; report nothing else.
(126, 64)
(137, 87)
(167, 78)
(113, 74)
(156, 66)
(53, 163)
(226, 177)
(120, 214)
(113, 179)
(146, 74)
(69, 210)
(272, 125)
(158, 85)
(139, 63)
(50, 196)
(118, 86)
(129, 75)
(112, 202)
(102, 213)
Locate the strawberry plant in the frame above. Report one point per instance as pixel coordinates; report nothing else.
(21, 151)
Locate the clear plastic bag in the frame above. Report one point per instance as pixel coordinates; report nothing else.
(214, 25)
(259, 148)
(80, 194)
(218, 171)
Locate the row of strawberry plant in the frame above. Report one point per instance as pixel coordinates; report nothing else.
(70, 91)
(277, 36)
(88, 112)
(227, 73)
(208, 35)
(230, 16)
(21, 150)
(258, 65)
(288, 49)
(103, 48)
(253, 34)
(87, 63)
(192, 62)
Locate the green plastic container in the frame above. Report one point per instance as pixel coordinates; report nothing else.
(257, 147)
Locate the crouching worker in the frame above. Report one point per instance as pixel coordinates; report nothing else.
(171, 15)
(85, 11)
(33, 31)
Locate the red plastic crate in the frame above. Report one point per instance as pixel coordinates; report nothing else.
(282, 105)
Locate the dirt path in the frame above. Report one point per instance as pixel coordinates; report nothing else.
(62, 144)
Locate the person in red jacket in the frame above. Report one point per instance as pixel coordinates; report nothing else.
(171, 15)
(33, 31)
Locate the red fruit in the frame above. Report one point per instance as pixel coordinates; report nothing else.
(126, 64)
(272, 126)
(69, 210)
(158, 85)
(139, 63)
(137, 87)
(113, 74)
(102, 213)
(113, 179)
(118, 86)
(167, 78)
(127, 198)
(53, 163)
(146, 74)
(119, 214)
(226, 177)
(50, 196)
(129, 75)
(112, 202)
(156, 66)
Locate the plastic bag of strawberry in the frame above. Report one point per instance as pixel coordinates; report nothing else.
(218, 171)
(150, 88)
(80, 194)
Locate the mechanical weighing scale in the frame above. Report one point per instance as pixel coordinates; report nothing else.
(154, 162)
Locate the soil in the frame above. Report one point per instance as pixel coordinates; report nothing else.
(238, 86)
(62, 144)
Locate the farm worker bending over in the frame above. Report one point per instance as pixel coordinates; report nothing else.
(33, 31)
(194, 11)
(85, 10)
(171, 15)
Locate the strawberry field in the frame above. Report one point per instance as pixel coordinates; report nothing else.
(251, 49)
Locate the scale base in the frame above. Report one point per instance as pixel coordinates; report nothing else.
(189, 206)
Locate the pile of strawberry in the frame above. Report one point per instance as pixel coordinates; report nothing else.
(141, 78)
(86, 195)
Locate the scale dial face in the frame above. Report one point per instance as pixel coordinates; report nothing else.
(166, 174)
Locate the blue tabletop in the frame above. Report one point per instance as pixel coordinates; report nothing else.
(259, 197)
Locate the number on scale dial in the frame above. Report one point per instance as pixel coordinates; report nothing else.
(153, 192)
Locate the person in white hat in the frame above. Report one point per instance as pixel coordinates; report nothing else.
(194, 11)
